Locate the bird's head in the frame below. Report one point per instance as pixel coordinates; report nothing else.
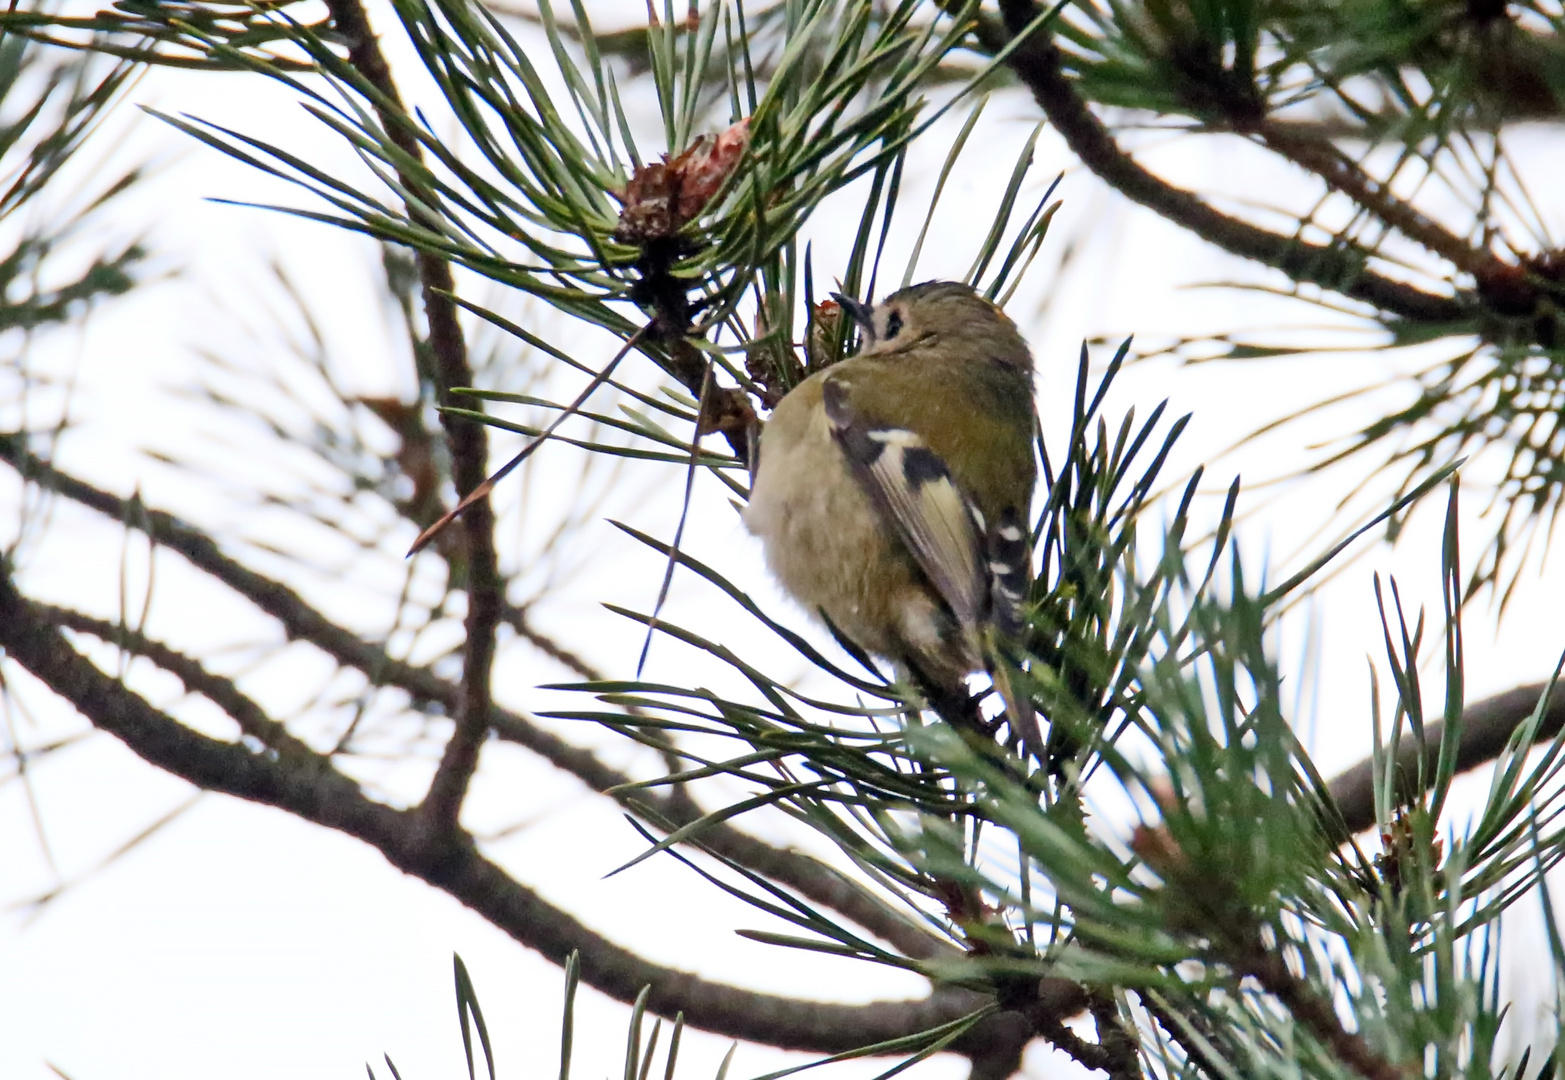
(935, 313)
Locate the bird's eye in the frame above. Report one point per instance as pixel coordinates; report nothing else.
(893, 324)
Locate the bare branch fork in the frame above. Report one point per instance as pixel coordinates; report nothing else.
(300, 621)
(306, 783)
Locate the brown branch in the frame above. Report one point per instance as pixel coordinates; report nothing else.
(1342, 174)
(811, 878)
(516, 618)
(1486, 727)
(299, 620)
(1197, 1045)
(1240, 107)
(1037, 62)
(311, 789)
(1118, 1042)
(468, 441)
(220, 691)
(1089, 1055)
(1316, 1014)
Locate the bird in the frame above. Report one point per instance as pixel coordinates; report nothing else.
(893, 490)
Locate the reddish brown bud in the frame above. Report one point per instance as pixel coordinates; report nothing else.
(664, 196)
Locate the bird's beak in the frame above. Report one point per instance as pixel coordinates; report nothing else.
(860, 311)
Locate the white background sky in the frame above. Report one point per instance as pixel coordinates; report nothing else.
(239, 941)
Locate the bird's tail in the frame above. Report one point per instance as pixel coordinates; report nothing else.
(1019, 713)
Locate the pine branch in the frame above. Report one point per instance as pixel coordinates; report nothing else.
(1344, 175)
(300, 621)
(469, 445)
(1486, 726)
(310, 788)
(1037, 63)
(222, 692)
(1315, 1013)
(1098, 1055)
(1235, 102)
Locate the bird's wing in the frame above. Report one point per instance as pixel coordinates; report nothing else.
(919, 498)
(1007, 559)
(1007, 562)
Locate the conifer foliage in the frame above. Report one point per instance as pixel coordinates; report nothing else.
(1175, 868)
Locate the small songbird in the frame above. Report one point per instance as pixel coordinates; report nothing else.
(893, 491)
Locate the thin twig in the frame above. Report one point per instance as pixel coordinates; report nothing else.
(1343, 175)
(468, 441)
(481, 492)
(222, 692)
(1315, 1013)
(516, 618)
